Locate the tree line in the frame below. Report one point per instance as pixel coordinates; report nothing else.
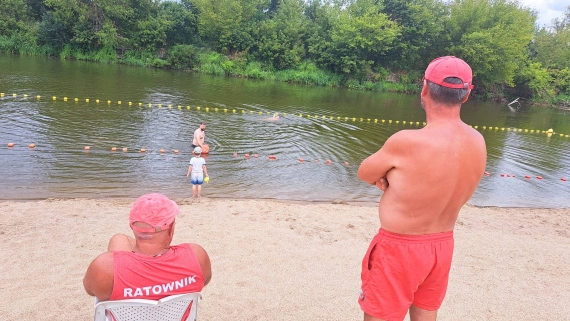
(368, 44)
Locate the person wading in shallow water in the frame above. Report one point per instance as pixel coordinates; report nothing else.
(199, 136)
(427, 175)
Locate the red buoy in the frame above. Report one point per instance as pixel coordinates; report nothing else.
(272, 157)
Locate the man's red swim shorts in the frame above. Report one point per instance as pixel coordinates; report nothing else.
(400, 270)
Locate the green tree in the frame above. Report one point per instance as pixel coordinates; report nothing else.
(492, 36)
(13, 17)
(360, 37)
(228, 24)
(421, 25)
(552, 44)
(280, 39)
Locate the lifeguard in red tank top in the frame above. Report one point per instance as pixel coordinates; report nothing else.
(138, 276)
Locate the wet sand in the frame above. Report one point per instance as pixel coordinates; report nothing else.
(285, 261)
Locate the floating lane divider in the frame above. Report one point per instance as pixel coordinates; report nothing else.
(272, 157)
(550, 132)
(526, 177)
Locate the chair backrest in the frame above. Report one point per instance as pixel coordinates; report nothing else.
(171, 308)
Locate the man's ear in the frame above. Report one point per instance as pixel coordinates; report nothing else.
(466, 96)
(424, 91)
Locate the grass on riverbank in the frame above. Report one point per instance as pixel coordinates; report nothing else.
(187, 57)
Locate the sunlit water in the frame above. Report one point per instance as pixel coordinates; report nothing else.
(60, 167)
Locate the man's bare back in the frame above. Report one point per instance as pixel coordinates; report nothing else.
(427, 175)
(432, 173)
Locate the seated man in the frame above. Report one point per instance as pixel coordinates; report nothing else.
(147, 266)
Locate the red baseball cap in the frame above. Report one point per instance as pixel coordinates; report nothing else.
(155, 210)
(449, 66)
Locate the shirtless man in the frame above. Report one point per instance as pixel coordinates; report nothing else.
(427, 175)
(199, 136)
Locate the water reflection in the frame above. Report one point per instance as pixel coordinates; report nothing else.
(59, 167)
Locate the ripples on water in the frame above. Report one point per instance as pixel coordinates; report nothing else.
(59, 167)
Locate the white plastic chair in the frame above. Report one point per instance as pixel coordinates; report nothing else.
(170, 308)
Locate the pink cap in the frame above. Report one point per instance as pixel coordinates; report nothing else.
(449, 66)
(154, 209)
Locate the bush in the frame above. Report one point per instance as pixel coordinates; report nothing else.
(183, 57)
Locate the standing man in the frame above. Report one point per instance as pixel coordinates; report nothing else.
(199, 136)
(427, 175)
(148, 266)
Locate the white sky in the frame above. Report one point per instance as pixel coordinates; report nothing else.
(547, 9)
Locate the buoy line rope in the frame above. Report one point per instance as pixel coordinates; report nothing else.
(549, 132)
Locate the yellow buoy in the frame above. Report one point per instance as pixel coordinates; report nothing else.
(140, 104)
(198, 108)
(149, 105)
(54, 97)
(86, 100)
(25, 95)
(225, 110)
(1, 94)
(389, 121)
(108, 102)
(64, 98)
(119, 102)
(38, 96)
(234, 111)
(375, 120)
(14, 95)
(130, 103)
(76, 99)
(169, 106)
(188, 107)
(397, 121)
(97, 100)
(353, 119)
(404, 122)
(159, 105)
(550, 131)
(179, 107)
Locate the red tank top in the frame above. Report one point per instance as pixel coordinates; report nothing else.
(139, 276)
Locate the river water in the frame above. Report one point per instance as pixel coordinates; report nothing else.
(316, 124)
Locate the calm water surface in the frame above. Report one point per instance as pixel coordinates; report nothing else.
(59, 166)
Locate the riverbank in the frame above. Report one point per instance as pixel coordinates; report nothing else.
(282, 261)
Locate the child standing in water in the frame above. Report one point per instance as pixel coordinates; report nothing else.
(197, 172)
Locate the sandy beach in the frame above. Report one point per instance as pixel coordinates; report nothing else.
(273, 260)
